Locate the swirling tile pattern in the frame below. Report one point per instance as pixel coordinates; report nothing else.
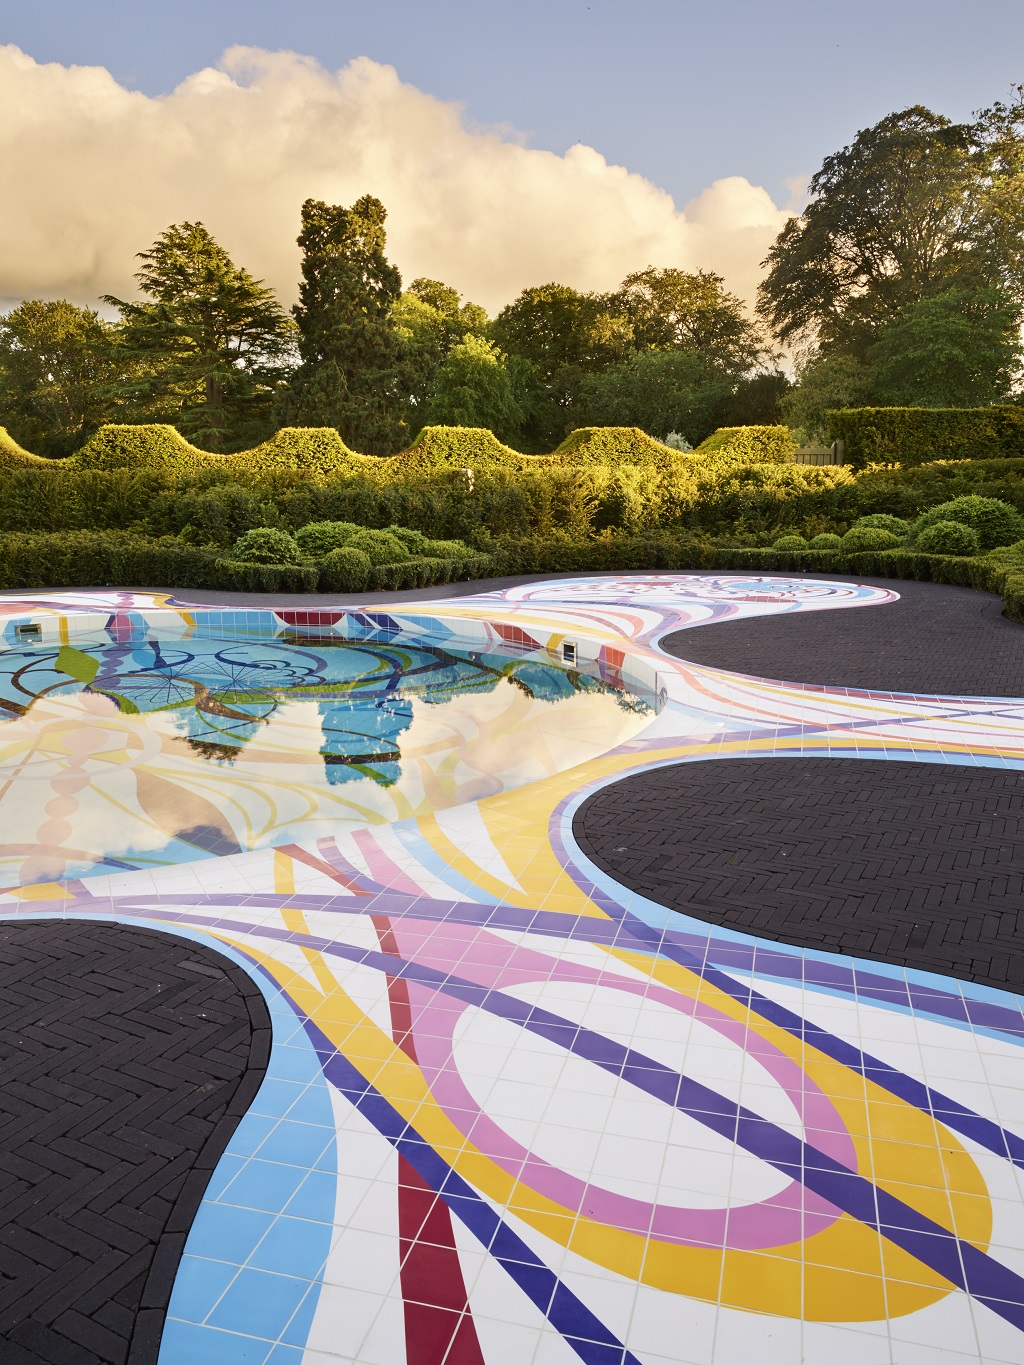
(515, 1113)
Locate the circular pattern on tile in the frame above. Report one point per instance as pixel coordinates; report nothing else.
(934, 639)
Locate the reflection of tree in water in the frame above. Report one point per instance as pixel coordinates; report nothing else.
(218, 694)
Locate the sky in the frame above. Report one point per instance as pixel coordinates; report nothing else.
(512, 142)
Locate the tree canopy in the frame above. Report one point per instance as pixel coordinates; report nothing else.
(915, 206)
(58, 366)
(345, 323)
(208, 343)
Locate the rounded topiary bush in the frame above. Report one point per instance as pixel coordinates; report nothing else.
(446, 549)
(947, 538)
(789, 543)
(319, 538)
(996, 522)
(413, 541)
(882, 521)
(380, 547)
(344, 570)
(265, 545)
(868, 538)
(826, 541)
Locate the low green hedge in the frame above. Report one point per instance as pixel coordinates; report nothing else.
(96, 559)
(982, 573)
(912, 436)
(241, 575)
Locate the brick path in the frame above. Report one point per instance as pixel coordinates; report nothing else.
(918, 864)
(127, 1058)
(934, 639)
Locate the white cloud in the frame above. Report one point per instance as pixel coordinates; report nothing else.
(94, 172)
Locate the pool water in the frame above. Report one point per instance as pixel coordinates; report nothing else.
(125, 756)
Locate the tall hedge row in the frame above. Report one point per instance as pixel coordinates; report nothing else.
(912, 436)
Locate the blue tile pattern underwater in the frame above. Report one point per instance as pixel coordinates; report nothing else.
(514, 1112)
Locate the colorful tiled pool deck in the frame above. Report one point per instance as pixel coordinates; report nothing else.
(515, 1114)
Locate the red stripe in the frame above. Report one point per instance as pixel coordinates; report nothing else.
(301, 856)
(439, 1328)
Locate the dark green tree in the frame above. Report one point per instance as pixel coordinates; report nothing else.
(208, 343)
(557, 329)
(824, 382)
(58, 367)
(474, 387)
(345, 323)
(430, 319)
(658, 391)
(557, 336)
(909, 210)
(959, 349)
(690, 311)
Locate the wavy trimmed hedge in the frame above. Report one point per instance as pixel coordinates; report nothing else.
(912, 436)
(320, 453)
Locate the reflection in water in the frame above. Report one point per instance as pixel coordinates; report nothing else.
(131, 755)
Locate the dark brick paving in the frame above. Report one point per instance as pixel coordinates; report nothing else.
(127, 1058)
(934, 639)
(918, 864)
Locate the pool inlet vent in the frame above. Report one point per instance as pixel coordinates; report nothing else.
(29, 630)
(569, 653)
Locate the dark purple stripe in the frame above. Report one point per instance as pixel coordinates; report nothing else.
(592, 1341)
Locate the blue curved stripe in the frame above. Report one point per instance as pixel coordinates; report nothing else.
(249, 1279)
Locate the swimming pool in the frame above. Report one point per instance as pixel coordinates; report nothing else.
(140, 753)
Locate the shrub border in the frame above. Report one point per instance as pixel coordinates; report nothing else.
(954, 570)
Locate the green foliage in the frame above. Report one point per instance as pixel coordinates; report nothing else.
(13, 458)
(345, 569)
(454, 448)
(824, 384)
(319, 538)
(996, 522)
(414, 541)
(919, 435)
(266, 545)
(216, 516)
(657, 391)
(882, 521)
(208, 343)
(790, 542)
(947, 538)
(96, 559)
(350, 376)
(826, 541)
(473, 387)
(692, 312)
(869, 538)
(755, 445)
(246, 576)
(902, 214)
(445, 549)
(759, 400)
(379, 546)
(58, 364)
(960, 348)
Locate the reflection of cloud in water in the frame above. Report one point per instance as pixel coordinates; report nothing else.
(143, 794)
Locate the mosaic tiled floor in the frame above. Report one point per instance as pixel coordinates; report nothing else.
(515, 1114)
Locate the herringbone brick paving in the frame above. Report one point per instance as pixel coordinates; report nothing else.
(934, 639)
(127, 1058)
(918, 864)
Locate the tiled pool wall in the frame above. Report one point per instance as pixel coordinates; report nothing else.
(624, 669)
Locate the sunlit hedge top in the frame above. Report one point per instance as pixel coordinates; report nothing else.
(320, 453)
